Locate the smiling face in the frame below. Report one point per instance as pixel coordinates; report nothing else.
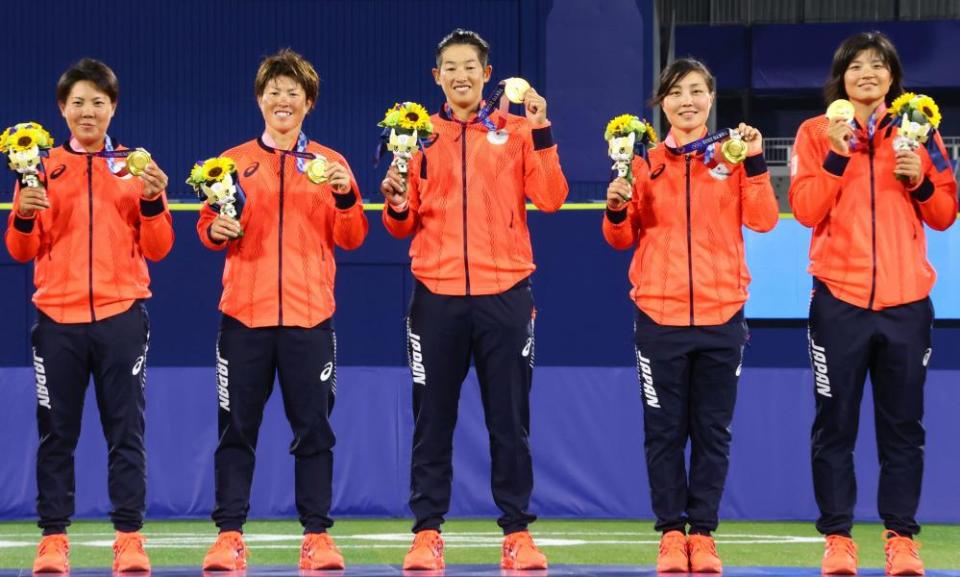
(687, 103)
(867, 79)
(462, 75)
(284, 105)
(88, 112)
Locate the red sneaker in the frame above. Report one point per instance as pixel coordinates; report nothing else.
(703, 554)
(673, 556)
(426, 553)
(228, 553)
(320, 552)
(53, 554)
(519, 552)
(903, 554)
(839, 556)
(128, 552)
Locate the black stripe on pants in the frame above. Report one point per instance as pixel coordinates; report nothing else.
(114, 351)
(247, 359)
(444, 333)
(893, 345)
(688, 376)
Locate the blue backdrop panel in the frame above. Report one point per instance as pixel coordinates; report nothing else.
(586, 434)
(598, 64)
(724, 49)
(798, 56)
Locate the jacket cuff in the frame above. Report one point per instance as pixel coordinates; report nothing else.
(542, 138)
(617, 216)
(24, 225)
(923, 191)
(152, 206)
(345, 200)
(755, 165)
(402, 215)
(835, 163)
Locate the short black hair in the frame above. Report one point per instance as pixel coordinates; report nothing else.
(89, 70)
(677, 71)
(468, 37)
(878, 42)
(288, 63)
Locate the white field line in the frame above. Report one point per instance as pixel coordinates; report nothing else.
(406, 536)
(402, 540)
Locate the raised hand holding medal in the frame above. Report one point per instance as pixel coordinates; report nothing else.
(137, 161)
(840, 132)
(841, 109)
(141, 165)
(515, 89)
(337, 176)
(518, 91)
(734, 149)
(316, 170)
(751, 137)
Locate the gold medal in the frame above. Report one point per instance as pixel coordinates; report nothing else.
(137, 161)
(515, 89)
(842, 109)
(734, 150)
(317, 170)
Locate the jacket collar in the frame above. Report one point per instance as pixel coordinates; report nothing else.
(446, 114)
(671, 144)
(267, 145)
(73, 147)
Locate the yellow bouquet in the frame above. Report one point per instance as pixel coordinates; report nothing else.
(215, 180)
(917, 116)
(24, 144)
(624, 134)
(408, 124)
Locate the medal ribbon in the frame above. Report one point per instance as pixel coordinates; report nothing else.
(703, 145)
(497, 99)
(112, 155)
(871, 129)
(299, 151)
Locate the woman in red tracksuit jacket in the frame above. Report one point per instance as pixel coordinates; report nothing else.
(870, 310)
(684, 217)
(89, 233)
(465, 205)
(278, 305)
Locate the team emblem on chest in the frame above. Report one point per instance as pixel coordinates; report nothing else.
(498, 137)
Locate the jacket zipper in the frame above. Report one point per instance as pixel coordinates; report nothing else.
(463, 152)
(689, 240)
(873, 230)
(93, 314)
(283, 158)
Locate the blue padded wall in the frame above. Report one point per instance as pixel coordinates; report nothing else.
(587, 442)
